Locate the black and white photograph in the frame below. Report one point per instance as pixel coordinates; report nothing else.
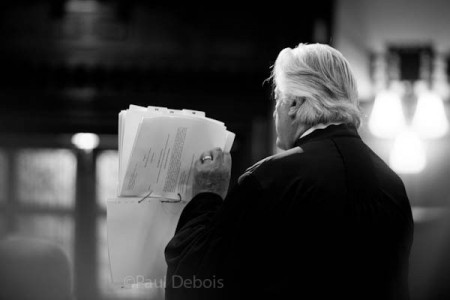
(189, 151)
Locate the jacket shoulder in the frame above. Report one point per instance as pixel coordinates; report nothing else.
(271, 161)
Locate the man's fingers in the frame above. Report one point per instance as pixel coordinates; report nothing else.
(217, 154)
(227, 159)
(212, 172)
(198, 164)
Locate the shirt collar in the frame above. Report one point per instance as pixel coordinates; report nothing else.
(318, 126)
(330, 131)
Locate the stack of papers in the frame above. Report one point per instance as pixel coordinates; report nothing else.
(157, 151)
(159, 146)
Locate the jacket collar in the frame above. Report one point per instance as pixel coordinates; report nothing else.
(326, 133)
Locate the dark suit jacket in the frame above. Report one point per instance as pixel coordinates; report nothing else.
(327, 219)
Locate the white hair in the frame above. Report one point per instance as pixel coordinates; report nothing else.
(320, 76)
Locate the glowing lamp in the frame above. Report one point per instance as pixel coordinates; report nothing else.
(429, 120)
(387, 119)
(408, 153)
(85, 141)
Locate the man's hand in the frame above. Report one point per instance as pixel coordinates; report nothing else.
(212, 173)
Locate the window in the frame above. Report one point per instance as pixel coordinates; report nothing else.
(43, 182)
(45, 188)
(46, 178)
(43, 204)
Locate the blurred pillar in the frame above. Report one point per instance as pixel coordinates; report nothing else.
(85, 265)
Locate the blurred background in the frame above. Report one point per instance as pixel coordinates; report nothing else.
(70, 66)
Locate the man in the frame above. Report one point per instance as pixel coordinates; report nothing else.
(326, 219)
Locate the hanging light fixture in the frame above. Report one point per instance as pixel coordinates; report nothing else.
(414, 113)
(429, 120)
(408, 153)
(415, 66)
(387, 119)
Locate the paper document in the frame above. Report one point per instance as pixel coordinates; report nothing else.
(137, 235)
(158, 147)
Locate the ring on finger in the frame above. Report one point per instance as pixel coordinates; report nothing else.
(206, 157)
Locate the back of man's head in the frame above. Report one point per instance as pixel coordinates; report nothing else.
(321, 76)
(33, 269)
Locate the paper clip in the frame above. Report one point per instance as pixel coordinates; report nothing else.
(172, 200)
(163, 201)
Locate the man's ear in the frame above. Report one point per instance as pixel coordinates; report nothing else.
(294, 106)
